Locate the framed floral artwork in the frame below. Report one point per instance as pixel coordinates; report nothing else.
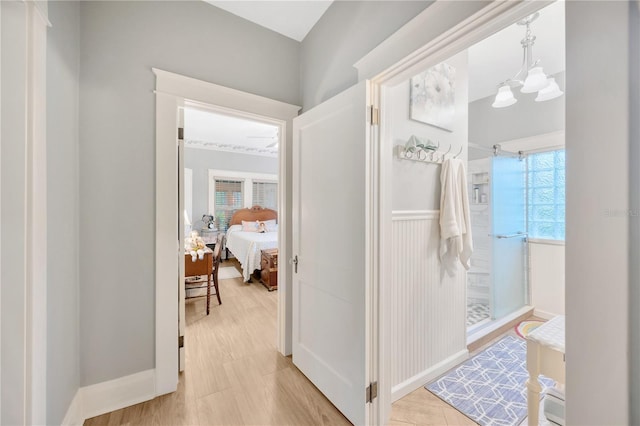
(433, 96)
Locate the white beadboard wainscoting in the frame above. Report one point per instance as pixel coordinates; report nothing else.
(427, 310)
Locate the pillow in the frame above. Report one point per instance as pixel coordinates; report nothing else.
(234, 228)
(272, 225)
(273, 228)
(249, 226)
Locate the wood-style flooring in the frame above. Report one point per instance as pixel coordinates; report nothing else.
(235, 376)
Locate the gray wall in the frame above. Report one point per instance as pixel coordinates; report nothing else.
(201, 160)
(416, 185)
(120, 42)
(597, 243)
(63, 365)
(346, 32)
(488, 125)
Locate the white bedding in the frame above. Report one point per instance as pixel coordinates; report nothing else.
(246, 247)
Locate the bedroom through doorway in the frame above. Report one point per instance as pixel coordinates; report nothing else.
(230, 207)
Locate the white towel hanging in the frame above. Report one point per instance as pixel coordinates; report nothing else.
(456, 241)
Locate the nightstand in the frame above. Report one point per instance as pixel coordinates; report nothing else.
(269, 269)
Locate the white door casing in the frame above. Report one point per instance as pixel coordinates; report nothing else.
(24, 200)
(464, 31)
(171, 92)
(331, 345)
(181, 236)
(188, 195)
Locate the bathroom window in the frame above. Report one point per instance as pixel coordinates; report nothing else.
(546, 195)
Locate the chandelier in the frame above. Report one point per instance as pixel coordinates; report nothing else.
(530, 76)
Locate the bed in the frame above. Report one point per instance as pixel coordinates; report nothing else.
(246, 245)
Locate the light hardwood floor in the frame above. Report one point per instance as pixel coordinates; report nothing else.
(235, 376)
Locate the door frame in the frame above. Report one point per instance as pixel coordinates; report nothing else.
(172, 91)
(470, 30)
(26, 343)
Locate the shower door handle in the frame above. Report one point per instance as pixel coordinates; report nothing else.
(518, 234)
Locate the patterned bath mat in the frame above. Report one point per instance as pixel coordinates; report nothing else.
(490, 387)
(525, 327)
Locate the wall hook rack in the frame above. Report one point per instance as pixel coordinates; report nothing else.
(424, 154)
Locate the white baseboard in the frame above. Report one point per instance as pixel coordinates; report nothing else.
(74, 415)
(544, 314)
(421, 379)
(101, 398)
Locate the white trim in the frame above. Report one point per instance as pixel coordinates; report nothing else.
(543, 314)
(262, 177)
(414, 214)
(284, 316)
(180, 86)
(0, 226)
(496, 324)
(166, 244)
(545, 241)
(74, 415)
(115, 394)
(42, 9)
(463, 32)
(36, 215)
(247, 190)
(172, 90)
(426, 376)
(457, 37)
(112, 395)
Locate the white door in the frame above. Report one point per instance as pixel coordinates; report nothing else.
(181, 235)
(330, 340)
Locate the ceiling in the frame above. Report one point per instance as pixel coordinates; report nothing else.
(499, 57)
(491, 61)
(293, 18)
(209, 130)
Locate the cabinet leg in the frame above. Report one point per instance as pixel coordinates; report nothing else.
(533, 400)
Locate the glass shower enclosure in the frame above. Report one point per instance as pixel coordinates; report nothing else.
(497, 279)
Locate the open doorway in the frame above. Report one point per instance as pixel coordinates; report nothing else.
(230, 197)
(509, 162)
(173, 93)
(230, 208)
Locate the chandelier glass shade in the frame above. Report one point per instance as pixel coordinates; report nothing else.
(552, 91)
(504, 98)
(531, 76)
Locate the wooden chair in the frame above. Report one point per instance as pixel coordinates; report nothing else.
(217, 256)
(208, 266)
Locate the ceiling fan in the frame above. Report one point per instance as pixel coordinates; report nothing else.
(271, 145)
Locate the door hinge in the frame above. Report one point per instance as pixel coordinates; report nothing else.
(181, 341)
(372, 391)
(374, 115)
(181, 133)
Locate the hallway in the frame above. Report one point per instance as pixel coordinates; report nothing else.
(234, 374)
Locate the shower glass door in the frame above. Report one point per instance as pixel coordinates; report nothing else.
(508, 231)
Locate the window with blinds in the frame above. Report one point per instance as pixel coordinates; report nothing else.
(229, 194)
(265, 194)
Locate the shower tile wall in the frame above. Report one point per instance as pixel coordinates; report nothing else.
(478, 276)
